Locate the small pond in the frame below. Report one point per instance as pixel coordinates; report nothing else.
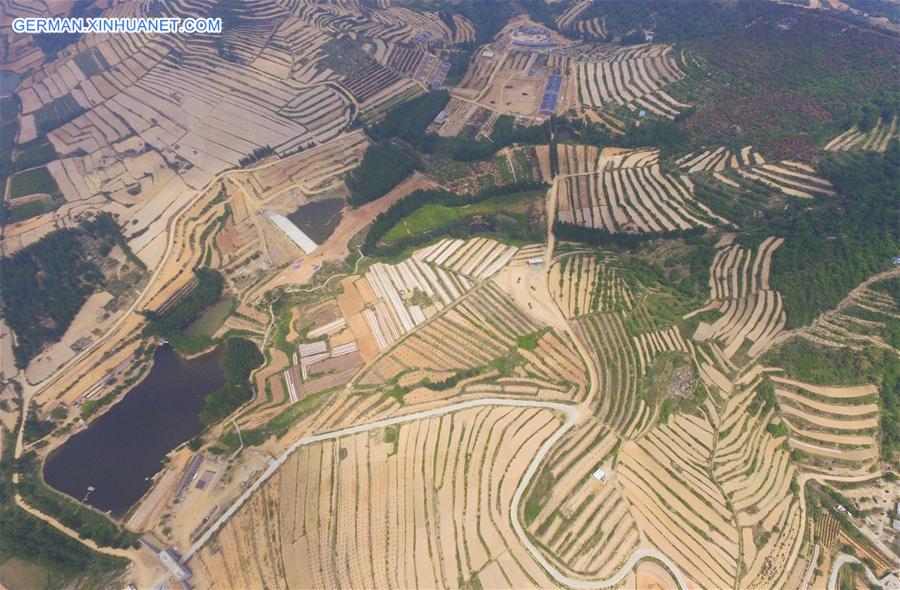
(318, 219)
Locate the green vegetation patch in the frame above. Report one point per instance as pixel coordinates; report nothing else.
(92, 62)
(211, 320)
(383, 167)
(530, 341)
(56, 114)
(172, 323)
(240, 358)
(834, 244)
(30, 209)
(538, 494)
(600, 237)
(46, 283)
(425, 215)
(278, 426)
(30, 182)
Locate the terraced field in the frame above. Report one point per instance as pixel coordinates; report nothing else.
(586, 284)
(582, 523)
(420, 504)
(875, 139)
(835, 427)
(752, 313)
(629, 193)
(630, 76)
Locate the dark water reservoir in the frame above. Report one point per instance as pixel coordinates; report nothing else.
(122, 449)
(318, 219)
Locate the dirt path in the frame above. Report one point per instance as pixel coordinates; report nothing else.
(512, 168)
(126, 553)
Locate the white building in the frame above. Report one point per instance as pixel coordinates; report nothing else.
(290, 230)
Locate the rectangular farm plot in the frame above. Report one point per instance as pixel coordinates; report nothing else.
(317, 367)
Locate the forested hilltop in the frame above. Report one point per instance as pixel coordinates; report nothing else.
(43, 286)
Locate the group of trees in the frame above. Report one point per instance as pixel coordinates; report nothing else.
(171, 324)
(408, 120)
(788, 79)
(46, 283)
(386, 163)
(836, 243)
(256, 155)
(383, 167)
(238, 360)
(505, 133)
(571, 232)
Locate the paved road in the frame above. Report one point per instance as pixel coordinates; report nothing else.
(844, 559)
(572, 413)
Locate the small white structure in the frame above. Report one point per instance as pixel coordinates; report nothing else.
(290, 230)
(599, 475)
(535, 261)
